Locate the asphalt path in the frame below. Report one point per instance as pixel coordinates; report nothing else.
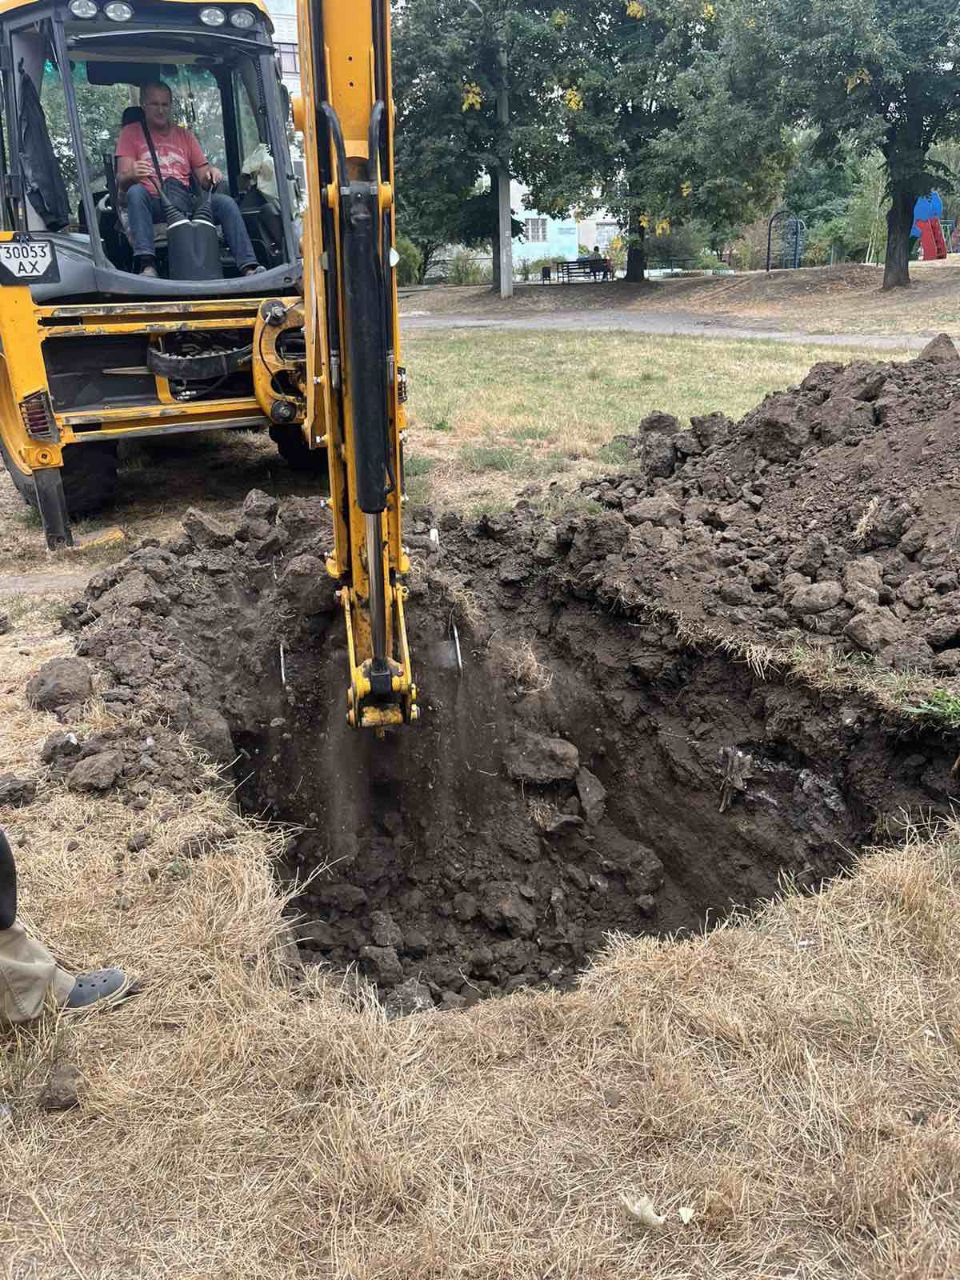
(685, 324)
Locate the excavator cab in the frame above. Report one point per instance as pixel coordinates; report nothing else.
(306, 345)
(93, 353)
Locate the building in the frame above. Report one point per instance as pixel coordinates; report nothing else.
(543, 237)
(284, 16)
(558, 238)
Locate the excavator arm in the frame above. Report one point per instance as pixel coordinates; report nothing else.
(354, 383)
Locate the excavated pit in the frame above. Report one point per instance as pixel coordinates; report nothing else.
(588, 774)
(605, 763)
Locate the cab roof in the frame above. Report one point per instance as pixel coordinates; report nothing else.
(11, 6)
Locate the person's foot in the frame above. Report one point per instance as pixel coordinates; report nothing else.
(91, 988)
(149, 271)
(255, 269)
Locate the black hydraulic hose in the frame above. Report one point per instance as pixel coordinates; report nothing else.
(333, 121)
(216, 364)
(363, 287)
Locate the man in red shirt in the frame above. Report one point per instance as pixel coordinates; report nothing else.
(180, 156)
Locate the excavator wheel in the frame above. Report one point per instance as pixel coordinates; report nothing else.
(89, 476)
(293, 450)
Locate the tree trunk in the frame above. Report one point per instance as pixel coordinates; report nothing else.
(636, 253)
(896, 266)
(905, 153)
(427, 250)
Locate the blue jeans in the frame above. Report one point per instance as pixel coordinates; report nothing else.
(144, 210)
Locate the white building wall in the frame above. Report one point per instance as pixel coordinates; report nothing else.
(563, 236)
(283, 14)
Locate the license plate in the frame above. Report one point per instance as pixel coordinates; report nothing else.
(26, 261)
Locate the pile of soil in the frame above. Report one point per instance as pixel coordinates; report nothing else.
(598, 765)
(828, 515)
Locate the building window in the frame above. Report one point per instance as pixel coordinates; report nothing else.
(289, 56)
(607, 232)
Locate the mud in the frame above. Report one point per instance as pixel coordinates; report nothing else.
(602, 764)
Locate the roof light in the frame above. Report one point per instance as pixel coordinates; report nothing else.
(118, 11)
(212, 17)
(243, 19)
(83, 8)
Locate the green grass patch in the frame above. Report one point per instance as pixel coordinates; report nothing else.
(494, 457)
(510, 407)
(417, 464)
(940, 706)
(529, 432)
(617, 451)
(591, 386)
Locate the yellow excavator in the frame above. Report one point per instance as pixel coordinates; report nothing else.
(94, 351)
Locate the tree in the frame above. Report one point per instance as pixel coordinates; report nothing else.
(876, 72)
(437, 164)
(625, 86)
(448, 65)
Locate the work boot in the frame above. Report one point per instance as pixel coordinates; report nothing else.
(90, 988)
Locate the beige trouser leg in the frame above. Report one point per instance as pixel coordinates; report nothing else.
(27, 972)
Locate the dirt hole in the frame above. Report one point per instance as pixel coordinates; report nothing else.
(589, 773)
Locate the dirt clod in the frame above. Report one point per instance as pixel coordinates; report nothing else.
(940, 350)
(538, 759)
(17, 791)
(59, 683)
(62, 1089)
(97, 772)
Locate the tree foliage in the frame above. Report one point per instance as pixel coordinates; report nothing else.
(448, 69)
(873, 72)
(669, 112)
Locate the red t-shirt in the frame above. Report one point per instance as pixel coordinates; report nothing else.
(178, 151)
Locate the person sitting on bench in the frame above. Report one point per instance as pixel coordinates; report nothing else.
(179, 155)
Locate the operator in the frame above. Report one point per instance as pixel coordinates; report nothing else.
(29, 973)
(180, 155)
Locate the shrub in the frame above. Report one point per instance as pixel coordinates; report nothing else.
(466, 268)
(530, 270)
(411, 261)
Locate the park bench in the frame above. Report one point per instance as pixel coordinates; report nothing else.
(585, 269)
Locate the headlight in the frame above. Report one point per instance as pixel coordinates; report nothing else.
(242, 18)
(212, 17)
(118, 11)
(83, 8)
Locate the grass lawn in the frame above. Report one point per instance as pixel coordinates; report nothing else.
(492, 412)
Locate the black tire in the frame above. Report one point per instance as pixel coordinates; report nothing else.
(22, 480)
(89, 476)
(294, 451)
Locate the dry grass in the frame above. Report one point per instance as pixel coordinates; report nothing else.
(790, 1079)
(494, 414)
